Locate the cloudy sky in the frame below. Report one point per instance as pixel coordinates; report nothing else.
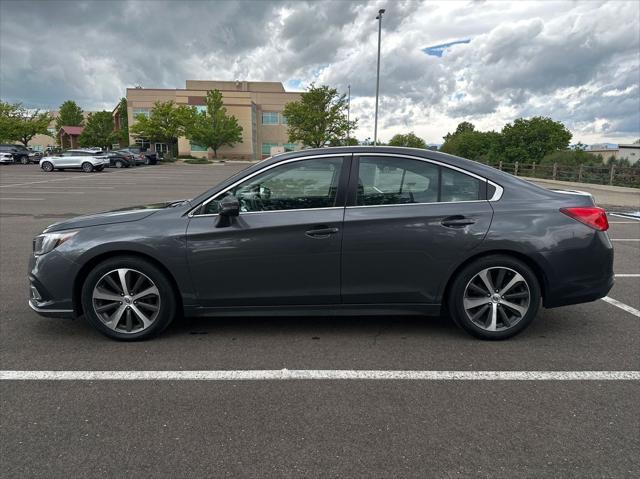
(577, 62)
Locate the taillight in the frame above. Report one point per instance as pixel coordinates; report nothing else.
(591, 216)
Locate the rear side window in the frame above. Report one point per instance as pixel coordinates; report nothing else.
(397, 181)
(456, 186)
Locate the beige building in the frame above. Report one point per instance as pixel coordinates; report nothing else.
(257, 106)
(42, 142)
(630, 152)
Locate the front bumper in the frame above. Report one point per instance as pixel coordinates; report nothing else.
(43, 310)
(51, 285)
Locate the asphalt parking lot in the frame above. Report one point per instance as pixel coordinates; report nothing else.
(304, 428)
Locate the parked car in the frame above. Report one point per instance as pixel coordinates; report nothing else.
(35, 156)
(352, 231)
(118, 159)
(144, 157)
(87, 160)
(19, 153)
(6, 158)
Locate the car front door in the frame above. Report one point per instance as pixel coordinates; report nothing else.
(407, 222)
(283, 248)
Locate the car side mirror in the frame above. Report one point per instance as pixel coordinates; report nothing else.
(228, 207)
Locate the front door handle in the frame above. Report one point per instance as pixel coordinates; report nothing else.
(321, 232)
(457, 221)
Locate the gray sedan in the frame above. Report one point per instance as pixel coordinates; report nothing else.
(351, 231)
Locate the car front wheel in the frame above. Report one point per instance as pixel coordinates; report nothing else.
(24, 160)
(87, 167)
(119, 164)
(128, 298)
(494, 297)
(47, 166)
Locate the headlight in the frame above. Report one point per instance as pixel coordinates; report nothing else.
(49, 241)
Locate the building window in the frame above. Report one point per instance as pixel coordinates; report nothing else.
(266, 148)
(270, 117)
(141, 111)
(143, 144)
(196, 147)
(52, 132)
(283, 119)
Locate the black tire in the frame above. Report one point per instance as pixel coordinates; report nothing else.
(147, 161)
(456, 297)
(167, 303)
(47, 166)
(100, 168)
(118, 164)
(87, 167)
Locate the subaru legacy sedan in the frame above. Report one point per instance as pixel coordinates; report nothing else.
(350, 231)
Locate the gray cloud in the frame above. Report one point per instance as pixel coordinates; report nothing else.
(576, 62)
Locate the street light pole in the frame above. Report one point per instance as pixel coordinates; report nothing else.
(348, 111)
(375, 128)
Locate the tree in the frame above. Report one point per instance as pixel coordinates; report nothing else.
(20, 124)
(319, 118)
(99, 130)
(213, 128)
(469, 143)
(410, 140)
(123, 131)
(9, 120)
(32, 123)
(575, 157)
(529, 140)
(165, 124)
(69, 114)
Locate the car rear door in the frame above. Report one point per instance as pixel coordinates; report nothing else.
(408, 221)
(284, 247)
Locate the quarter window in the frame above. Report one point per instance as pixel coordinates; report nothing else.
(397, 181)
(301, 184)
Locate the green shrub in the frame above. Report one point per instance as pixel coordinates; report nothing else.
(198, 161)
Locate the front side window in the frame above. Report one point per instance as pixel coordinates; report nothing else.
(397, 181)
(303, 184)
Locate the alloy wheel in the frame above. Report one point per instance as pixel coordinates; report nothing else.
(87, 167)
(496, 299)
(126, 300)
(47, 166)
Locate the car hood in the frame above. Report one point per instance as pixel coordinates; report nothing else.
(123, 215)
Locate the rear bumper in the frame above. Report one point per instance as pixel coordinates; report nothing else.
(586, 293)
(581, 275)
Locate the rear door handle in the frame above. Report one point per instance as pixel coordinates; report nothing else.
(457, 221)
(321, 232)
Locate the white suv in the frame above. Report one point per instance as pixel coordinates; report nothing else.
(87, 160)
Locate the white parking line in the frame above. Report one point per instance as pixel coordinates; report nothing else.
(623, 222)
(625, 307)
(625, 239)
(23, 199)
(627, 275)
(625, 217)
(310, 374)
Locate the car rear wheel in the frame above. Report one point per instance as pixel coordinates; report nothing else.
(24, 160)
(119, 164)
(128, 298)
(87, 167)
(47, 166)
(495, 297)
(147, 161)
